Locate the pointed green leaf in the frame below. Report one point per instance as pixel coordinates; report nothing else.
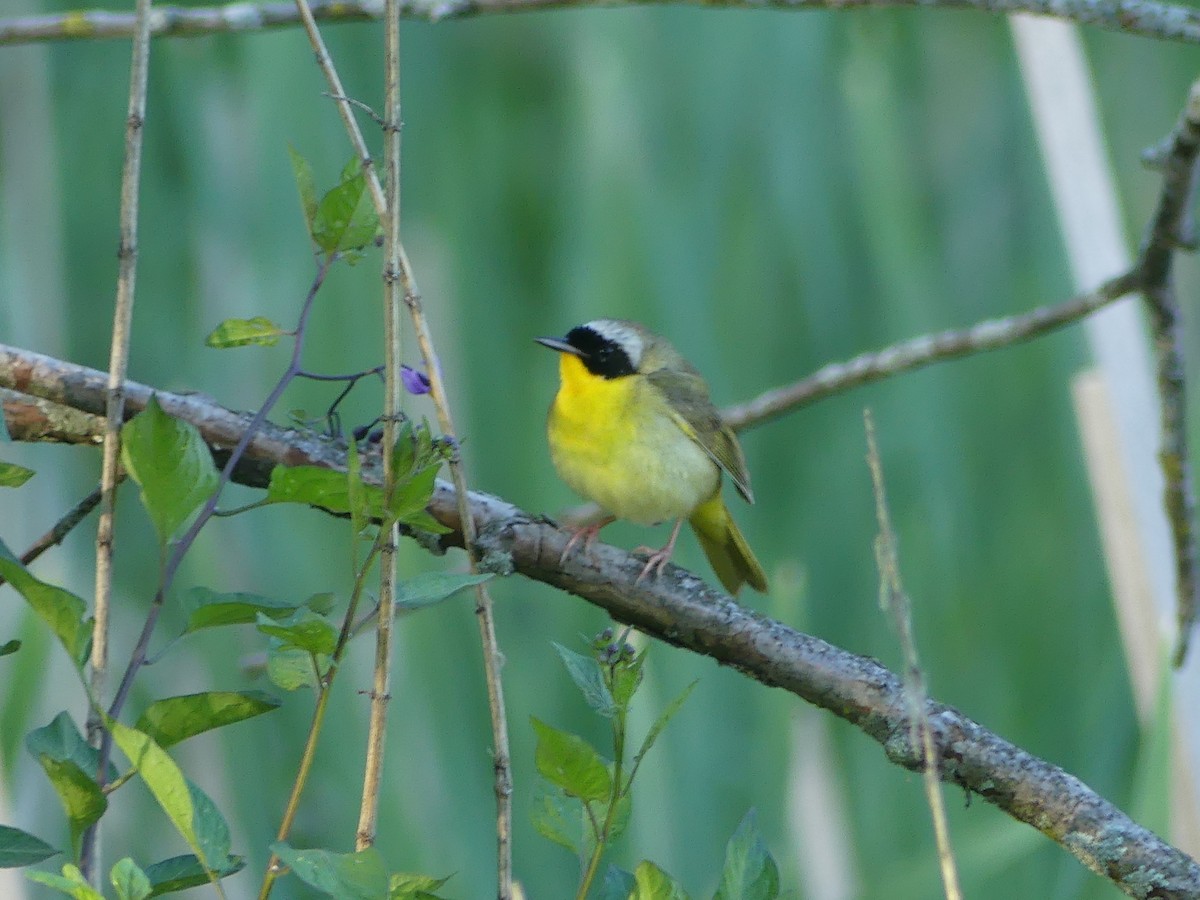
(291, 668)
(661, 722)
(181, 872)
(552, 819)
(176, 719)
(414, 493)
(61, 740)
(434, 587)
(321, 603)
(617, 885)
(130, 881)
(585, 672)
(571, 763)
(208, 609)
(165, 781)
(81, 798)
(20, 848)
(346, 876)
(306, 185)
(303, 629)
(71, 882)
(212, 831)
(313, 485)
(9, 647)
(12, 475)
(345, 218)
(404, 454)
(405, 886)
(652, 883)
(171, 464)
(750, 873)
(60, 609)
(626, 679)
(258, 331)
(421, 520)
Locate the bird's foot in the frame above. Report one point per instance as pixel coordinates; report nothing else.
(655, 561)
(587, 534)
(658, 558)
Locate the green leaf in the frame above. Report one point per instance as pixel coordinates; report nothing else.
(617, 885)
(176, 719)
(421, 520)
(130, 881)
(60, 609)
(313, 485)
(181, 872)
(626, 678)
(20, 848)
(750, 873)
(10, 647)
(434, 587)
(212, 831)
(61, 740)
(82, 800)
(291, 668)
(413, 494)
(166, 783)
(404, 454)
(652, 883)
(171, 464)
(12, 475)
(306, 185)
(586, 673)
(571, 763)
(552, 818)
(321, 603)
(347, 876)
(71, 882)
(345, 218)
(303, 629)
(208, 609)
(405, 886)
(661, 722)
(258, 331)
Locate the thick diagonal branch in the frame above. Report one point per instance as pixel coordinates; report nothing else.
(680, 609)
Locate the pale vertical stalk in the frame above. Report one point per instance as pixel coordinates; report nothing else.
(1063, 106)
(895, 603)
(115, 407)
(437, 389)
(381, 689)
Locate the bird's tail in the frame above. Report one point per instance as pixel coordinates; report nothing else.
(726, 549)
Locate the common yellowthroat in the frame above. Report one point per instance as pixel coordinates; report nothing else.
(633, 429)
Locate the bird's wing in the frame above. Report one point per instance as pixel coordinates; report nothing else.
(694, 413)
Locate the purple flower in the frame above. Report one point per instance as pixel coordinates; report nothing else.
(414, 382)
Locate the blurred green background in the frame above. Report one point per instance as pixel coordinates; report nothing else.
(772, 190)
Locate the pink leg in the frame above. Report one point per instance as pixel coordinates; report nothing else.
(658, 558)
(587, 534)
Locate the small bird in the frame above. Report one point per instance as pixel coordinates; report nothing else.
(632, 428)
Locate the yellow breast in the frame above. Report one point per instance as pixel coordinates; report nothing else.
(614, 442)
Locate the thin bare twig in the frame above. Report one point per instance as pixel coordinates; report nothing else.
(895, 604)
(483, 605)
(1171, 228)
(680, 609)
(1147, 18)
(118, 361)
(60, 529)
(925, 350)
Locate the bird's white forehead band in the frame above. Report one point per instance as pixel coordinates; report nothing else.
(622, 334)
